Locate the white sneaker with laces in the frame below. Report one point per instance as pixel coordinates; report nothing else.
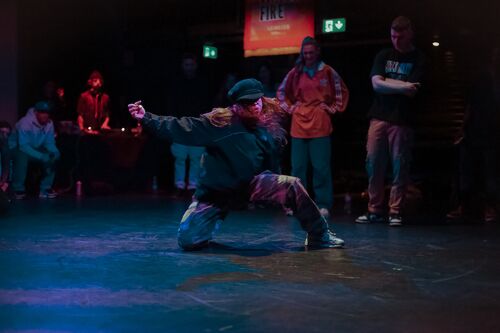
(48, 194)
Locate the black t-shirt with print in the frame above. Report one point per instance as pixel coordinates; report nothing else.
(389, 63)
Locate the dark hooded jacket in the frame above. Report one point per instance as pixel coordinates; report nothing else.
(234, 153)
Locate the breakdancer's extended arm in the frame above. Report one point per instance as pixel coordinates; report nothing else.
(189, 131)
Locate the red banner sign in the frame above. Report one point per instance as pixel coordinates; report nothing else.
(276, 26)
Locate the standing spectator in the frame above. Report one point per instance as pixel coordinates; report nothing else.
(221, 99)
(395, 76)
(313, 91)
(5, 130)
(93, 106)
(479, 144)
(5, 165)
(33, 140)
(265, 75)
(189, 95)
(55, 95)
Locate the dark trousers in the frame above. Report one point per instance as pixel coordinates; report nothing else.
(317, 151)
(20, 169)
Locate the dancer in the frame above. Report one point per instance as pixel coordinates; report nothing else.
(240, 165)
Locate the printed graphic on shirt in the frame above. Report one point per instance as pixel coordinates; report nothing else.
(398, 70)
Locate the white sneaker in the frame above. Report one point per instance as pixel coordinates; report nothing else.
(395, 220)
(48, 194)
(324, 212)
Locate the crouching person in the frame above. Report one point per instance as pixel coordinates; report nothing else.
(33, 141)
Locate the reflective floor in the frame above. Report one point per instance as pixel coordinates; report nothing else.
(111, 264)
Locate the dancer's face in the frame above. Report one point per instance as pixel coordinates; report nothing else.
(254, 106)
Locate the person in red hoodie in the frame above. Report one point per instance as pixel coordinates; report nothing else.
(312, 92)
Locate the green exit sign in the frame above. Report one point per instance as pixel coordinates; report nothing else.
(209, 52)
(334, 25)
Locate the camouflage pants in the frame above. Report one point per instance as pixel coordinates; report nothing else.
(201, 219)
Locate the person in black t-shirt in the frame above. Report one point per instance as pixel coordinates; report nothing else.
(396, 75)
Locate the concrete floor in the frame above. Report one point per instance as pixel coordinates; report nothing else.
(111, 264)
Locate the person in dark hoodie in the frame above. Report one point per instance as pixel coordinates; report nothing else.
(241, 165)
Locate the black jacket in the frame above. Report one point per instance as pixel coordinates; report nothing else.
(234, 154)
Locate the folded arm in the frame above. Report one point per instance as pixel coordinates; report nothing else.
(388, 86)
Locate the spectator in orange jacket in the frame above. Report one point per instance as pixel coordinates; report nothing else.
(312, 92)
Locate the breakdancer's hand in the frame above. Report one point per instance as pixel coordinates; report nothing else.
(136, 110)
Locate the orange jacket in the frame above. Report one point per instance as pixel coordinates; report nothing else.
(309, 120)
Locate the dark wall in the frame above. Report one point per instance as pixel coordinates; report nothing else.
(8, 61)
(137, 44)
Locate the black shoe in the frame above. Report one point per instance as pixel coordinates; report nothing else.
(370, 218)
(326, 240)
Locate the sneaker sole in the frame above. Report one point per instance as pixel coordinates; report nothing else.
(319, 247)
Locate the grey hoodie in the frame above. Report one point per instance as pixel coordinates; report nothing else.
(32, 138)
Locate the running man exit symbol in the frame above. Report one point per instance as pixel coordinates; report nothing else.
(209, 52)
(334, 25)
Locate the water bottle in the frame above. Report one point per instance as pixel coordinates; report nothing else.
(154, 184)
(78, 188)
(347, 203)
